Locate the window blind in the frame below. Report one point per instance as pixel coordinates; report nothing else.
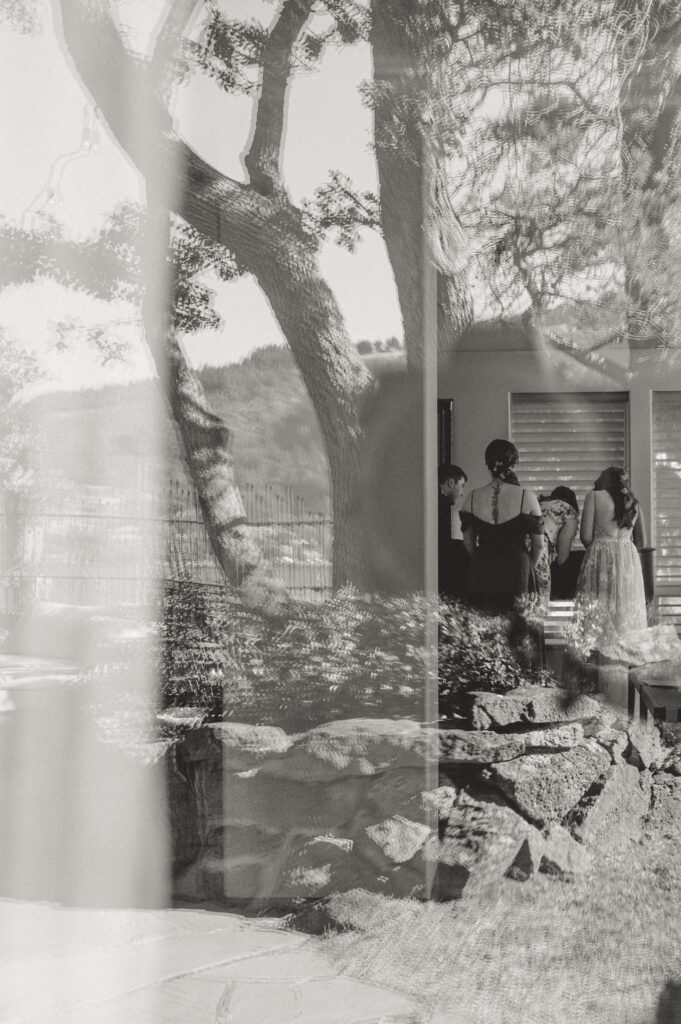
(667, 483)
(568, 438)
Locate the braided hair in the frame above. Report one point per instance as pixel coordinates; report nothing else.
(616, 482)
(500, 458)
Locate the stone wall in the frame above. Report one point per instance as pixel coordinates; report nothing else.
(533, 781)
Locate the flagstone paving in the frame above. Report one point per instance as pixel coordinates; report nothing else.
(75, 966)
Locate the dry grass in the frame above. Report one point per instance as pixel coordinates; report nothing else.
(599, 950)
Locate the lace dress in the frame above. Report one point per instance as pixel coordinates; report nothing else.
(610, 594)
(556, 513)
(501, 570)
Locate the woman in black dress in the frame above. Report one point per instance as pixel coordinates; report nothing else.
(497, 519)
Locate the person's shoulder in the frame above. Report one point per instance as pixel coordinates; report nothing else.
(530, 500)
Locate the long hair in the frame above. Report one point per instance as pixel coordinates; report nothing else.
(563, 494)
(500, 458)
(616, 482)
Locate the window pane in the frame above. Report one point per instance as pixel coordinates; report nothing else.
(568, 438)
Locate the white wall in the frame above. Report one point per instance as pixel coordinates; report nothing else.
(481, 380)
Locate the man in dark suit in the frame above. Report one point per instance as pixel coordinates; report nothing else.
(452, 558)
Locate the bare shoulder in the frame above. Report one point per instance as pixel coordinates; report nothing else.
(531, 503)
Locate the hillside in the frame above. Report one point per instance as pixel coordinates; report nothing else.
(108, 436)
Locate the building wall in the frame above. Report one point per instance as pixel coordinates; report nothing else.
(483, 374)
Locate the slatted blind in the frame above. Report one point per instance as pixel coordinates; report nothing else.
(667, 463)
(568, 438)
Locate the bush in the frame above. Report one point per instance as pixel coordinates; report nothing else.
(483, 652)
(352, 656)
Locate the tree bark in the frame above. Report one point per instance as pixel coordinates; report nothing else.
(204, 437)
(407, 70)
(649, 103)
(260, 227)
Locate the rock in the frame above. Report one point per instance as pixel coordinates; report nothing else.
(615, 741)
(561, 737)
(449, 882)
(437, 803)
(645, 745)
(672, 761)
(480, 842)
(524, 864)
(393, 841)
(247, 746)
(404, 881)
(356, 746)
(460, 745)
(318, 867)
(393, 792)
(562, 856)
(532, 704)
(671, 732)
(544, 787)
(401, 792)
(613, 815)
(664, 817)
(280, 805)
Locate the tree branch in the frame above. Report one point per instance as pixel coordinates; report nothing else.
(169, 35)
(263, 159)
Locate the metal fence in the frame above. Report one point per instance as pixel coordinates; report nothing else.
(94, 545)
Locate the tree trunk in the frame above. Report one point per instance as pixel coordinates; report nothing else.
(649, 103)
(204, 437)
(407, 75)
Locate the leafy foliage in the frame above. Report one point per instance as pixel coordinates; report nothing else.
(18, 368)
(354, 655)
(229, 51)
(338, 206)
(108, 265)
(482, 652)
(22, 15)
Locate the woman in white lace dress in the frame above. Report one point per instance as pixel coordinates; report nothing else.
(610, 584)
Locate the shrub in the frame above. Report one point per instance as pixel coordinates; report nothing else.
(352, 656)
(483, 652)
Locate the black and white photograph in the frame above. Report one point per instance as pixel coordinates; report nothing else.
(340, 512)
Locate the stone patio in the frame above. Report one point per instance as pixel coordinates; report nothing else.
(73, 966)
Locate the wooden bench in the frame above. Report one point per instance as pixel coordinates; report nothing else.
(662, 701)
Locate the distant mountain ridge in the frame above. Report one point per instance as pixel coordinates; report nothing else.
(109, 436)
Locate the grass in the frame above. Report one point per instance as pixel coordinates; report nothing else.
(599, 950)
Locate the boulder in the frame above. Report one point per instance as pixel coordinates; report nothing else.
(612, 815)
(559, 737)
(553, 852)
(356, 746)
(393, 841)
(531, 704)
(437, 803)
(672, 761)
(525, 863)
(664, 817)
(397, 792)
(480, 842)
(561, 856)
(460, 745)
(645, 745)
(251, 798)
(247, 746)
(615, 741)
(318, 867)
(544, 787)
